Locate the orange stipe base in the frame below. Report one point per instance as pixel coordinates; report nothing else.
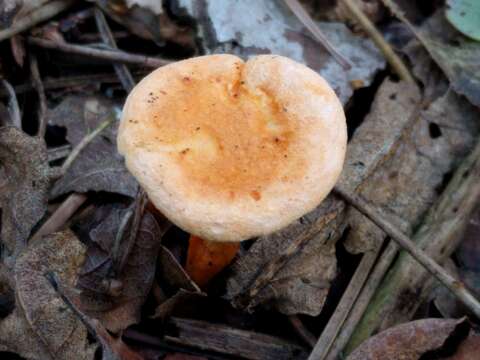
(207, 258)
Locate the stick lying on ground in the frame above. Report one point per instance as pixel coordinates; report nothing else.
(110, 55)
(456, 287)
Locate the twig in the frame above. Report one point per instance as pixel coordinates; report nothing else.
(52, 278)
(302, 331)
(363, 300)
(121, 70)
(95, 37)
(59, 152)
(110, 118)
(13, 108)
(335, 323)
(35, 17)
(66, 209)
(306, 20)
(70, 81)
(42, 99)
(393, 59)
(109, 55)
(456, 287)
(112, 348)
(438, 236)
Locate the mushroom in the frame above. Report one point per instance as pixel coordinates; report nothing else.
(230, 150)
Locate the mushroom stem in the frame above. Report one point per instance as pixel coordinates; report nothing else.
(206, 258)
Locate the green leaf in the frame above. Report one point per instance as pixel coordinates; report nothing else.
(464, 15)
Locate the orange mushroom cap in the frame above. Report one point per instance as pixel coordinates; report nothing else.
(229, 150)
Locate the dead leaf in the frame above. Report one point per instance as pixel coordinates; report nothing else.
(411, 176)
(410, 341)
(173, 279)
(24, 181)
(41, 325)
(113, 348)
(99, 167)
(148, 19)
(172, 274)
(468, 349)
(302, 284)
(271, 27)
(118, 312)
(456, 55)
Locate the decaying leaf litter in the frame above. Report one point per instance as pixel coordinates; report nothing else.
(66, 295)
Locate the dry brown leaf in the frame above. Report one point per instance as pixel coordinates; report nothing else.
(116, 312)
(41, 326)
(410, 178)
(172, 274)
(99, 167)
(409, 341)
(469, 349)
(303, 282)
(174, 279)
(454, 53)
(24, 181)
(113, 348)
(148, 19)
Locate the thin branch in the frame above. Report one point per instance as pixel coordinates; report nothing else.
(42, 99)
(35, 17)
(306, 20)
(456, 287)
(393, 59)
(438, 236)
(54, 281)
(13, 108)
(109, 55)
(336, 321)
(110, 118)
(302, 331)
(59, 152)
(121, 70)
(356, 313)
(71, 81)
(58, 219)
